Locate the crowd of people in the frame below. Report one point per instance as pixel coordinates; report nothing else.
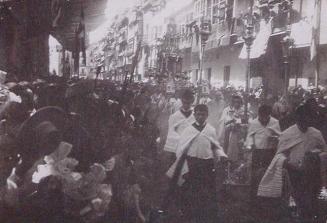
(100, 151)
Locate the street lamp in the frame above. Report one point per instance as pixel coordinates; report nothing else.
(287, 45)
(248, 38)
(204, 31)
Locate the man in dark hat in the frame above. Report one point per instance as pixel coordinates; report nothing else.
(38, 136)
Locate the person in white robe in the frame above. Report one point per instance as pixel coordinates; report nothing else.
(294, 143)
(197, 153)
(216, 107)
(261, 129)
(262, 134)
(230, 129)
(178, 121)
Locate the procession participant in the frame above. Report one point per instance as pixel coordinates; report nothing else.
(216, 107)
(143, 100)
(262, 135)
(179, 121)
(280, 108)
(174, 103)
(229, 130)
(315, 114)
(294, 143)
(261, 129)
(200, 150)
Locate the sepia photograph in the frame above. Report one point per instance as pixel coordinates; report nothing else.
(163, 111)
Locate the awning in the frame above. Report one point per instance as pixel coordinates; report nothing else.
(301, 33)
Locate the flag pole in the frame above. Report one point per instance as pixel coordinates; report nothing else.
(317, 41)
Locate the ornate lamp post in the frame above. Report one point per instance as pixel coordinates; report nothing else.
(248, 37)
(287, 45)
(203, 32)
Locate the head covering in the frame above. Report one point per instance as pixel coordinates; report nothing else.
(79, 89)
(46, 119)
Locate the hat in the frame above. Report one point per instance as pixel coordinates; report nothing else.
(26, 136)
(79, 89)
(27, 131)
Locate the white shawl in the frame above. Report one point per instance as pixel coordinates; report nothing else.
(177, 123)
(185, 145)
(258, 134)
(272, 182)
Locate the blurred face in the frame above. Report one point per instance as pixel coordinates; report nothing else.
(303, 125)
(187, 103)
(201, 116)
(264, 119)
(237, 103)
(218, 97)
(50, 143)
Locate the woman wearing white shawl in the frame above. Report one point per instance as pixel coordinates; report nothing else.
(294, 142)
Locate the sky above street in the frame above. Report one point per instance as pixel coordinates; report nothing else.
(115, 7)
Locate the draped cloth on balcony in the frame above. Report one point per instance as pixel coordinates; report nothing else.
(301, 33)
(260, 43)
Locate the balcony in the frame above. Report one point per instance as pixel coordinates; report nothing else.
(185, 42)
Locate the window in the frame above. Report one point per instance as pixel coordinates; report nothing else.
(226, 75)
(200, 8)
(203, 7)
(196, 75)
(218, 11)
(197, 8)
(209, 6)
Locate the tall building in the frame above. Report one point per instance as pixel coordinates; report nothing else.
(225, 58)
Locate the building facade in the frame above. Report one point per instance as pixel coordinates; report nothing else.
(224, 60)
